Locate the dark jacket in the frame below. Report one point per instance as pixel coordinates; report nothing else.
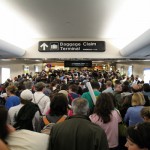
(77, 133)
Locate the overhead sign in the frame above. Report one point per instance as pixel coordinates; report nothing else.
(71, 46)
(78, 63)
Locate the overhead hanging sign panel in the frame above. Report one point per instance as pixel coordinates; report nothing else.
(71, 46)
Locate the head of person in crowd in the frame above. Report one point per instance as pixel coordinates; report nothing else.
(137, 99)
(126, 87)
(7, 82)
(58, 105)
(28, 84)
(16, 83)
(136, 79)
(138, 137)
(15, 79)
(95, 85)
(104, 106)
(145, 113)
(117, 81)
(73, 88)
(146, 87)
(53, 85)
(64, 87)
(80, 106)
(26, 96)
(118, 87)
(3, 123)
(47, 90)
(108, 84)
(135, 88)
(11, 90)
(64, 92)
(82, 85)
(39, 86)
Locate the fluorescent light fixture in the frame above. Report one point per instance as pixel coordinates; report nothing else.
(37, 60)
(15, 29)
(129, 21)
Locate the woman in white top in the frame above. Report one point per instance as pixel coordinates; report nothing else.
(21, 139)
(107, 118)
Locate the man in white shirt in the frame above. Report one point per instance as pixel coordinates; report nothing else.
(108, 87)
(29, 140)
(39, 97)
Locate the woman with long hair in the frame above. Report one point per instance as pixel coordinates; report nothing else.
(107, 118)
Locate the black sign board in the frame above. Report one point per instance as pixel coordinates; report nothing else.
(71, 46)
(78, 63)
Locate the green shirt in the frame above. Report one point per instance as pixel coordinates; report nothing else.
(88, 97)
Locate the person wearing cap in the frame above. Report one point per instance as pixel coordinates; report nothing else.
(26, 97)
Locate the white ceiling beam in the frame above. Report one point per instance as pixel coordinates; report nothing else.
(138, 44)
(10, 49)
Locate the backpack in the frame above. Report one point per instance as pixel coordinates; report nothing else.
(36, 104)
(72, 96)
(48, 125)
(25, 116)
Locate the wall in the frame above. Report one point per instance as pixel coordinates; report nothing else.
(138, 68)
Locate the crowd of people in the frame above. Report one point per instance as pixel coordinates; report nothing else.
(56, 110)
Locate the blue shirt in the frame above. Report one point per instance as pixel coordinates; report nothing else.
(12, 101)
(133, 115)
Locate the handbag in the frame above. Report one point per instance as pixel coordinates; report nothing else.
(122, 127)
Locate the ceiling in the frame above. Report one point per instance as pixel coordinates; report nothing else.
(126, 23)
